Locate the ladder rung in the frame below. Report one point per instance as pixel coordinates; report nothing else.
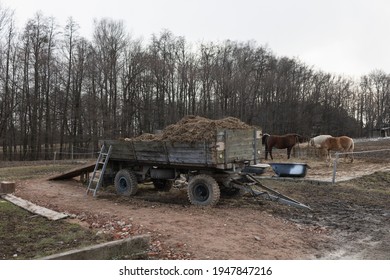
(97, 174)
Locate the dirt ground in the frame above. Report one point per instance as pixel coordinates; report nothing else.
(348, 220)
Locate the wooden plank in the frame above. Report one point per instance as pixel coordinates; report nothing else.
(80, 170)
(33, 208)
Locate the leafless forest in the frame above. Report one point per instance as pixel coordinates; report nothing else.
(60, 91)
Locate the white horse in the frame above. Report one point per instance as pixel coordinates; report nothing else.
(318, 140)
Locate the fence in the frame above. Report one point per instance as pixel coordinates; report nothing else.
(74, 153)
(52, 153)
(338, 154)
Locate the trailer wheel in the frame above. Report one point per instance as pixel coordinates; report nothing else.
(162, 184)
(203, 190)
(126, 182)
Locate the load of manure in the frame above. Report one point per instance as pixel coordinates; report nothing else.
(193, 128)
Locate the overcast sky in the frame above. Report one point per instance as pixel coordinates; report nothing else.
(348, 37)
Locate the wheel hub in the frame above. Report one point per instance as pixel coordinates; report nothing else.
(123, 183)
(201, 192)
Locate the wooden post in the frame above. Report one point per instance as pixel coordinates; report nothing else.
(7, 187)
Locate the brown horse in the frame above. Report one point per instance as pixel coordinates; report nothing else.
(342, 144)
(281, 142)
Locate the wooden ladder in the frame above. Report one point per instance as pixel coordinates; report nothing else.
(96, 180)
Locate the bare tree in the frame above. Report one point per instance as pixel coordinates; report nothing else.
(36, 40)
(7, 94)
(375, 100)
(47, 88)
(133, 76)
(109, 43)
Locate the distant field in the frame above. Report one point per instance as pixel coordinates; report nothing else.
(30, 170)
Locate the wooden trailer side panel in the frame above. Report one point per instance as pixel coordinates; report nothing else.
(241, 145)
(198, 153)
(229, 147)
(162, 152)
(151, 151)
(121, 150)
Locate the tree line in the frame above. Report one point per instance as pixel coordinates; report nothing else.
(60, 91)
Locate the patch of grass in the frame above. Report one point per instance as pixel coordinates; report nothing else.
(32, 171)
(24, 235)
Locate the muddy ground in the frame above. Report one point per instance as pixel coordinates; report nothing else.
(348, 220)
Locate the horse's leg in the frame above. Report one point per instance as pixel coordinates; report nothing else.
(328, 157)
(270, 153)
(350, 150)
(289, 152)
(320, 153)
(346, 155)
(350, 155)
(325, 154)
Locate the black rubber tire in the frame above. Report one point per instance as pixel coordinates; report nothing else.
(203, 190)
(126, 183)
(163, 185)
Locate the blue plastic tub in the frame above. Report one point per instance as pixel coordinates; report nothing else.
(290, 169)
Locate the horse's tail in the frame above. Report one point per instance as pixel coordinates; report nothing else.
(264, 141)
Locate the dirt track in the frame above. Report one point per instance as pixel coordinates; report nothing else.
(350, 220)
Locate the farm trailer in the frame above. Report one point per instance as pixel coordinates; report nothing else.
(226, 163)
